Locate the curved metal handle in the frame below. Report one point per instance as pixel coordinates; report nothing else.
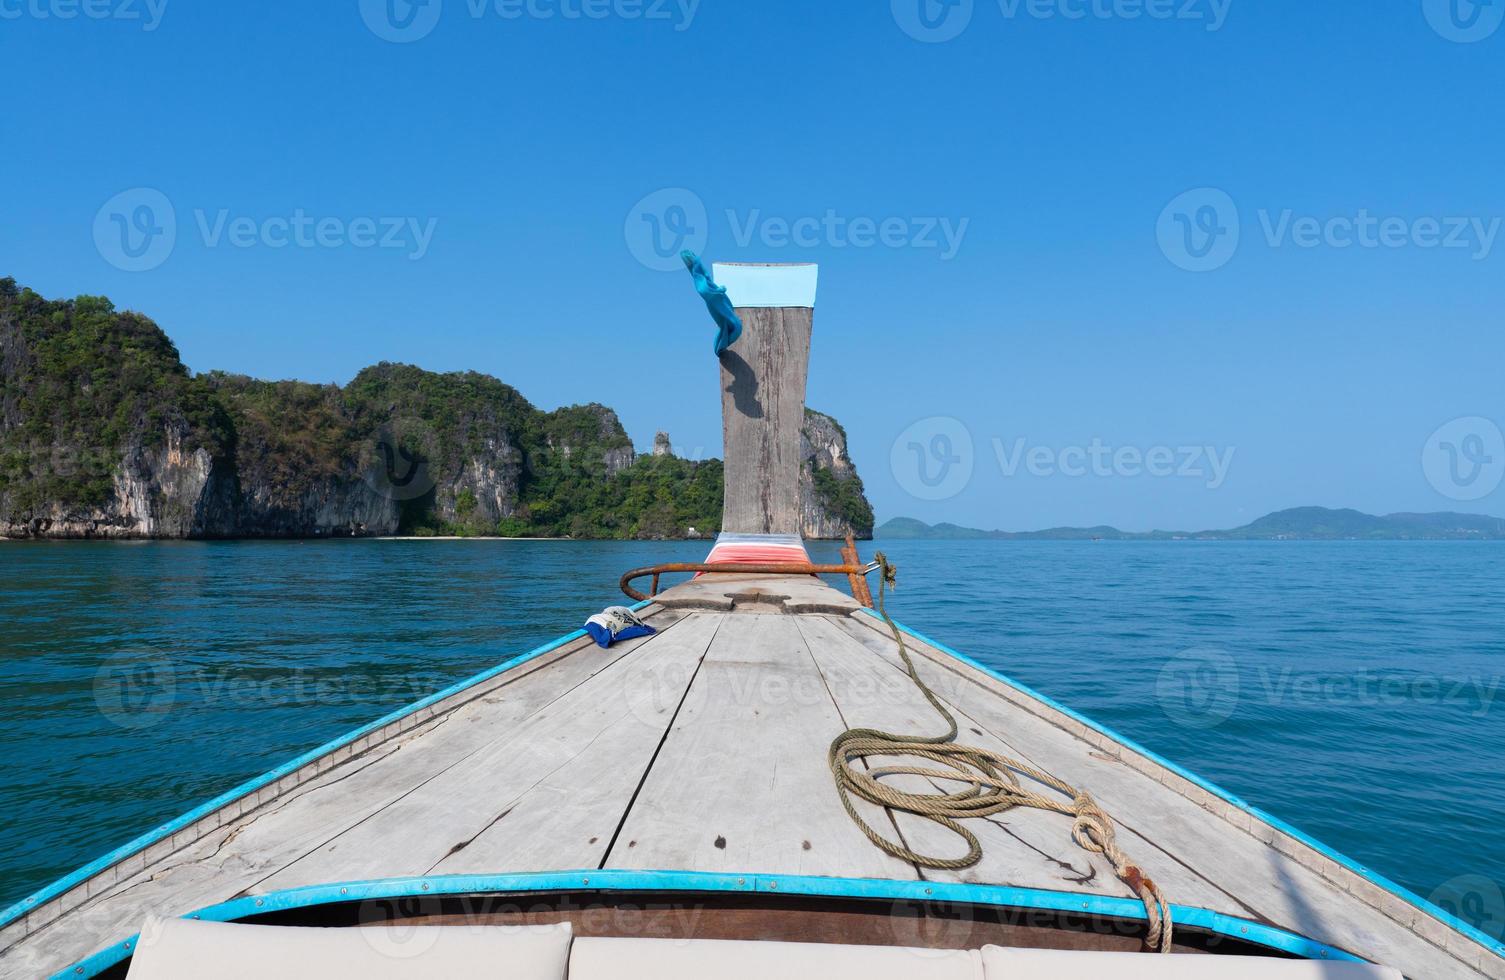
(763, 568)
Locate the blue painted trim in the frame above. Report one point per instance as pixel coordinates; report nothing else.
(619, 880)
(1399, 891)
(151, 837)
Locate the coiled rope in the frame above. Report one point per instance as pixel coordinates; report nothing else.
(992, 786)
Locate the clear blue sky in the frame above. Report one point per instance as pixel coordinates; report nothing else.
(525, 143)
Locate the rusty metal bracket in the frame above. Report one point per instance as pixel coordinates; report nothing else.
(858, 582)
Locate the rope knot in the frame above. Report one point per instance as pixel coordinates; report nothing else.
(991, 782)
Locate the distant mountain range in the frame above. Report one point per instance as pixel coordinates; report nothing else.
(1298, 523)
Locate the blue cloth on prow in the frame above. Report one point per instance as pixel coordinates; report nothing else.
(729, 324)
(616, 623)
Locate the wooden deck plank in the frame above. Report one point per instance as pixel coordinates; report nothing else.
(1021, 847)
(1276, 886)
(604, 731)
(239, 857)
(741, 783)
(589, 796)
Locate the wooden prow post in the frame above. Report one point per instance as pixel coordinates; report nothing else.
(763, 394)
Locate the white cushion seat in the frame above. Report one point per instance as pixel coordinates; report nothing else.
(710, 959)
(180, 949)
(1003, 963)
(185, 949)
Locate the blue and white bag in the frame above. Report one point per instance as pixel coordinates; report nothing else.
(616, 623)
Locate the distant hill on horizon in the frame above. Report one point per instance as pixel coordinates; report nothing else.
(1295, 524)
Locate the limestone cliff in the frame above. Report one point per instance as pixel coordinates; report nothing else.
(831, 495)
(105, 434)
(158, 489)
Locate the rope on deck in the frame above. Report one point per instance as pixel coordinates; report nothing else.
(992, 786)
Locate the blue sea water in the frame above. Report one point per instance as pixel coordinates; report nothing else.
(1355, 689)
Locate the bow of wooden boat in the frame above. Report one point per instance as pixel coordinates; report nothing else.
(679, 786)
